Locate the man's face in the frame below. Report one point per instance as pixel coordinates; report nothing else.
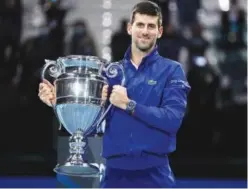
(144, 31)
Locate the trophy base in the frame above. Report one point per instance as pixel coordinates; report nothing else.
(84, 170)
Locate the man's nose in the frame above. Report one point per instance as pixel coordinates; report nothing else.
(145, 31)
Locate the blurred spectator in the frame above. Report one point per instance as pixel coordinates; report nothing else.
(202, 100)
(34, 51)
(234, 68)
(171, 42)
(82, 43)
(202, 105)
(205, 83)
(196, 45)
(47, 43)
(232, 27)
(55, 15)
(120, 37)
(10, 33)
(164, 4)
(188, 11)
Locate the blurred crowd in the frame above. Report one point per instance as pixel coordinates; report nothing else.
(215, 122)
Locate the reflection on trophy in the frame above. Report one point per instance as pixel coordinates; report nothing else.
(78, 82)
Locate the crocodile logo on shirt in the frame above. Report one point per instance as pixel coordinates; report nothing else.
(151, 82)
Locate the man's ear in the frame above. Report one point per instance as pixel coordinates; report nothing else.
(160, 30)
(129, 28)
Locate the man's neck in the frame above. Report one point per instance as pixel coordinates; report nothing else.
(137, 55)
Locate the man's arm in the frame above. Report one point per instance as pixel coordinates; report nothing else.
(169, 115)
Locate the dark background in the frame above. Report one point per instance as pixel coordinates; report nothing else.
(212, 142)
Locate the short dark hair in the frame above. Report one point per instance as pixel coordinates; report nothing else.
(149, 8)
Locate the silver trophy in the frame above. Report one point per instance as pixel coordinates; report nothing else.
(78, 83)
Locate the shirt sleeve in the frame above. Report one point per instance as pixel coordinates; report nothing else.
(169, 115)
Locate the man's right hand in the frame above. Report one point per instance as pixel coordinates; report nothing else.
(47, 93)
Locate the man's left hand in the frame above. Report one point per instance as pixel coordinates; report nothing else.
(119, 97)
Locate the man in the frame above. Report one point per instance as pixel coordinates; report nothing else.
(148, 111)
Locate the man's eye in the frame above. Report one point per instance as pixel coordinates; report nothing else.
(152, 26)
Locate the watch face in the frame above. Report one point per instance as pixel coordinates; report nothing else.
(131, 105)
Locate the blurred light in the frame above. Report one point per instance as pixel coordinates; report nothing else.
(106, 36)
(107, 33)
(106, 53)
(200, 61)
(224, 5)
(107, 19)
(107, 57)
(38, 18)
(106, 50)
(107, 4)
(225, 82)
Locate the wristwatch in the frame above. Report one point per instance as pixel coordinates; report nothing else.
(131, 106)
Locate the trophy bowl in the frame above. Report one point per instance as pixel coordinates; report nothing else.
(79, 108)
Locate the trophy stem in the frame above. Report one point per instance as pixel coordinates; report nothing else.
(77, 144)
(75, 164)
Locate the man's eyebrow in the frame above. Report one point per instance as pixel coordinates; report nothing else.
(140, 22)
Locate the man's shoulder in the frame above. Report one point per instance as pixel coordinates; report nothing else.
(166, 62)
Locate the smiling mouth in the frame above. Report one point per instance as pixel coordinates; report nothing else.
(144, 39)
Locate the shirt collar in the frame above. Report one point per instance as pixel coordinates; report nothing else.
(147, 59)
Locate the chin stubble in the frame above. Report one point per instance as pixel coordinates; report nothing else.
(145, 49)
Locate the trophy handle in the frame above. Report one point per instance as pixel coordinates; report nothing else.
(111, 71)
(53, 68)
